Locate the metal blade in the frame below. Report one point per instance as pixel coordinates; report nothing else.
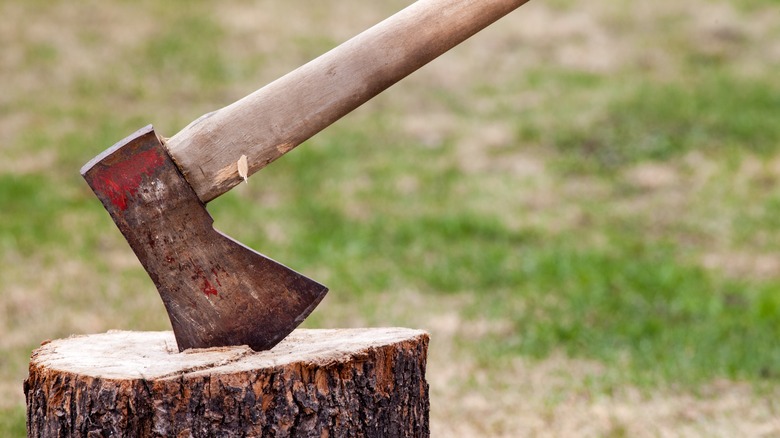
(217, 291)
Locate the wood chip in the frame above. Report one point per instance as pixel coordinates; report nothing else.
(243, 168)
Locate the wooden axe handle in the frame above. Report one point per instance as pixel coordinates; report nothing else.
(276, 118)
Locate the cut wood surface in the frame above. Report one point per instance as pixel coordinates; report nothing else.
(342, 382)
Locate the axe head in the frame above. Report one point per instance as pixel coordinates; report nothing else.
(217, 291)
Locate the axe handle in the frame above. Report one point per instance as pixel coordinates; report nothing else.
(280, 116)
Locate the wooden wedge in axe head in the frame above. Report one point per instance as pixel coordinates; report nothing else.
(218, 292)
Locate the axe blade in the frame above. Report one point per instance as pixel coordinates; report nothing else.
(217, 291)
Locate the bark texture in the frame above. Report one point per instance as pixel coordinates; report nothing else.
(315, 383)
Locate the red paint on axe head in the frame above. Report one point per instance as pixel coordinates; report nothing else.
(206, 286)
(122, 180)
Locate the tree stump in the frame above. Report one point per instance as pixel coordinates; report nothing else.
(318, 383)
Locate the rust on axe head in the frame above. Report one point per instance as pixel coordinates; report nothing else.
(217, 292)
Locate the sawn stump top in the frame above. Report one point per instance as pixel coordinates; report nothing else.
(154, 355)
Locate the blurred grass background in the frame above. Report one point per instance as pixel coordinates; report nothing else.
(580, 203)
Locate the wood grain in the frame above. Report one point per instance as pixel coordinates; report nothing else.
(351, 382)
(278, 117)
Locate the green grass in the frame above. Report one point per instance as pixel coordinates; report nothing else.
(573, 257)
(637, 308)
(662, 121)
(636, 302)
(196, 57)
(12, 422)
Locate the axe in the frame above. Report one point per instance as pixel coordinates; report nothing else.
(218, 292)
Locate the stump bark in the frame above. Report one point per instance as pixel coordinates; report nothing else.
(315, 383)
